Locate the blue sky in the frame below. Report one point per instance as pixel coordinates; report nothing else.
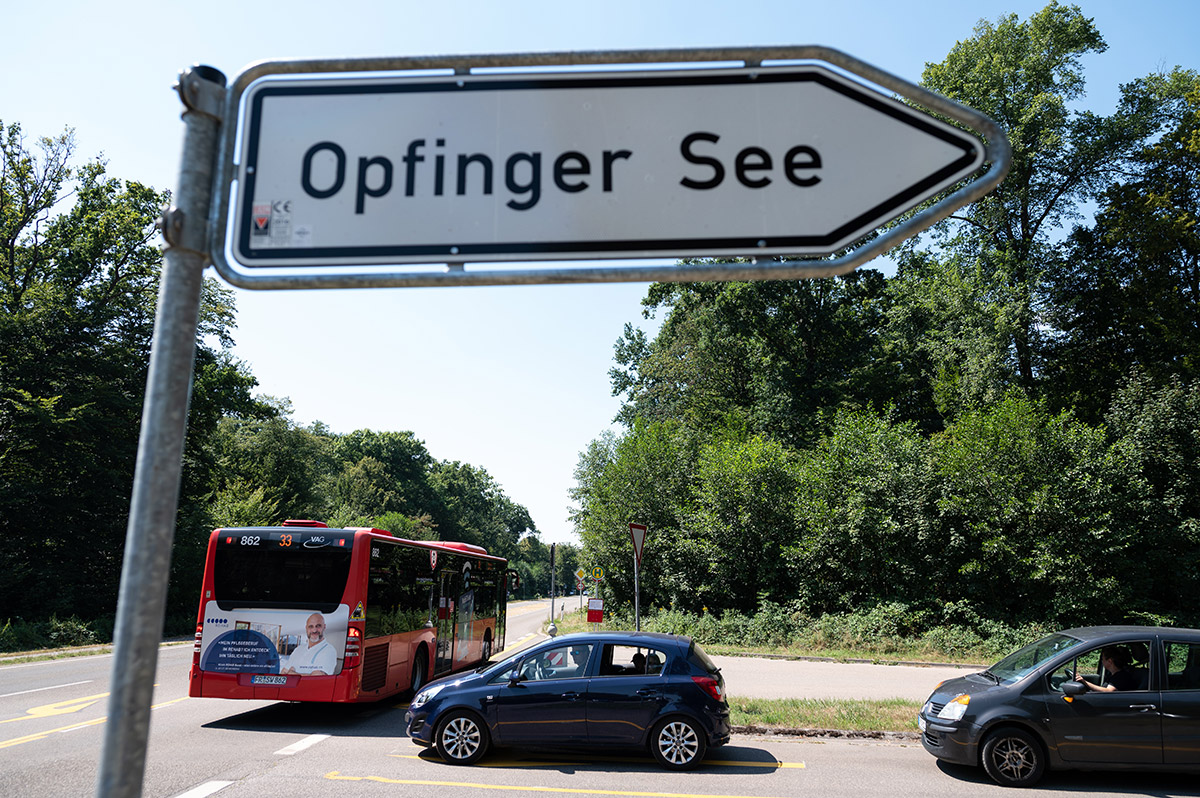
(512, 379)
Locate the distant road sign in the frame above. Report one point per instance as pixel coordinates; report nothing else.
(638, 533)
(595, 610)
(345, 170)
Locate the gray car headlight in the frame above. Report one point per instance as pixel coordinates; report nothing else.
(956, 708)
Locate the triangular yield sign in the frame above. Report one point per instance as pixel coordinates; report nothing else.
(638, 533)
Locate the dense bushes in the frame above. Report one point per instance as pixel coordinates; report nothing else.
(1013, 515)
(892, 629)
(54, 632)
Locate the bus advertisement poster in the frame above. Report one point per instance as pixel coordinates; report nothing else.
(299, 642)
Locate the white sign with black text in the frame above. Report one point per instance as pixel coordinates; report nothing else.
(570, 165)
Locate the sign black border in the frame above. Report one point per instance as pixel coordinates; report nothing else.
(867, 221)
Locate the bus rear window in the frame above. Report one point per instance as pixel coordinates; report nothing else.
(282, 570)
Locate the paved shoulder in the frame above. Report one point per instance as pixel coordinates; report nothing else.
(757, 677)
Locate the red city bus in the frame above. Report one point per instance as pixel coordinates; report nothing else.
(302, 612)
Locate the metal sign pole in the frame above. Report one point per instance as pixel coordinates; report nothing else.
(155, 499)
(637, 602)
(637, 533)
(552, 629)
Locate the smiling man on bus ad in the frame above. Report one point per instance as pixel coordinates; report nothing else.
(316, 656)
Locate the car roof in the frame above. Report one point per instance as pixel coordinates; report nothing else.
(632, 638)
(1101, 633)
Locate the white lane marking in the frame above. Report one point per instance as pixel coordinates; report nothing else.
(208, 788)
(40, 689)
(307, 742)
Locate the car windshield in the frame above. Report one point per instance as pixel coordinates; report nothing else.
(503, 667)
(1028, 659)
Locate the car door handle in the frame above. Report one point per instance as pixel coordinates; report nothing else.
(648, 693)
(572, 696)
(1143, 707)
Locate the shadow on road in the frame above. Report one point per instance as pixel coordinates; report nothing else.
(385, 719)
(744, 759)
(1093, 782)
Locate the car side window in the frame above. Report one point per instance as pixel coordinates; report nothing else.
(1133, 666)
(621, 660)
(563, 662)
(1183, 666)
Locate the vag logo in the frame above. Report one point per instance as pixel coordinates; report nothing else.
(217, 620)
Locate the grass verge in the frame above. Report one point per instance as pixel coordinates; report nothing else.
(890, 715)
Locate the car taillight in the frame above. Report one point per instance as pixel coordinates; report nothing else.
(711, 686)
(353, 647)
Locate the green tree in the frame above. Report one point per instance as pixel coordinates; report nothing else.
(865, 517)
(474, 509)
(643, 476)
(405, 461)
(293, 465)
(78, 286)
(1157, 431)
(1035, 506)
(777, 356)
(743, 517)
(1025, 76)
(1129, 296)
(943, 346)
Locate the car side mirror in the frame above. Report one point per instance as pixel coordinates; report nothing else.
(514, 677)
(1073, 688)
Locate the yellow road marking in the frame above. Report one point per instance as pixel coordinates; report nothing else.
(336, 776)
(44, 734)
(59, 708)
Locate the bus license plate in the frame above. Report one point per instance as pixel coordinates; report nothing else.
(263, 678)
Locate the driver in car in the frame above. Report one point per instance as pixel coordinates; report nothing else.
(1116, 661)
(579, 658)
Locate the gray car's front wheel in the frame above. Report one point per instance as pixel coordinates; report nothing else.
(677, 744)
(1013, 758)
(461, 739)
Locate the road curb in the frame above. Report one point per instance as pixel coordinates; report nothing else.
(906, 663)
(773, 731)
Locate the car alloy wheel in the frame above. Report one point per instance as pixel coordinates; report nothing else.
(676, 744)
(1013, 758)
(461, 740)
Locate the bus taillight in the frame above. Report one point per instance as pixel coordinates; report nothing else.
(199, 634)
(353, 647)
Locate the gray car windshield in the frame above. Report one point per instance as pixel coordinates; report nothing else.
(1028, 659)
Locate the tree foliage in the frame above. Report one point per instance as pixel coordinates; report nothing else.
(78, 287)
(1005, 429)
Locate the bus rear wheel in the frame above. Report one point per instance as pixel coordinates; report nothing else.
(418, 670)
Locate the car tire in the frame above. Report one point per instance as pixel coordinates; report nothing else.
(677, 743)
(1013, 758)
(461, 738)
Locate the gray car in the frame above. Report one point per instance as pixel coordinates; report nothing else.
(1102, 697)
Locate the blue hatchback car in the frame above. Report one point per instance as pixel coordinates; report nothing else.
(625, 690)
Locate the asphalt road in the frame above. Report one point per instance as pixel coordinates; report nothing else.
(52, 718)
